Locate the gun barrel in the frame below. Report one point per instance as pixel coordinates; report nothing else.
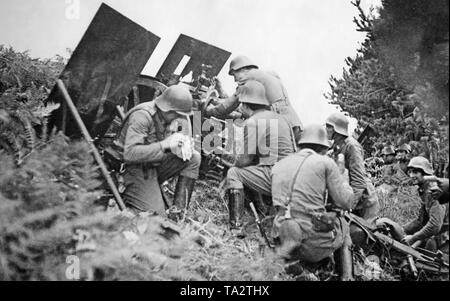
(258, 223)
(412, 265)
(90, 142)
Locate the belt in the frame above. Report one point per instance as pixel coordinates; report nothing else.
(295, 213)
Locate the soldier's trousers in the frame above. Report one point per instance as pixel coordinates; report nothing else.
(368, 206)
(299, 241)
(257, 178)
(143, 184)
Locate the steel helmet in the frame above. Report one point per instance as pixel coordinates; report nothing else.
(253, 92)
(240, 62)
(404, 147)
(339, 122)
(388, 150)
(421, 163)
(315, 134)
(175, 98)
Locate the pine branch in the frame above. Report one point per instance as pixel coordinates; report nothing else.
(364, 24)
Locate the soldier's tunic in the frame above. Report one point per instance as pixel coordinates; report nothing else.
(431, 225)
(365, 202)
(275, 93)
(393, 174)
(267, 139)
(388, 171)
(317, 176)
(147, 165)
(400, 177)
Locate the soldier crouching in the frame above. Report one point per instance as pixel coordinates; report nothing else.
(151, 158)
(365, 203)
(430, 228)
(300, 183)
(253, 166)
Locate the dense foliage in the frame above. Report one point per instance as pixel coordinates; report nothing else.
(45, 180)
(24, 85)
(49, 184)
(398, 81)
(48, 191)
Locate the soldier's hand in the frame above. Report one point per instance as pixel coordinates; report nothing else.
(217, 83)
(209, 110)
(173, 142)
(407, 240)
(435, 191)
(443, 184)
(187, 149)
(219, 88)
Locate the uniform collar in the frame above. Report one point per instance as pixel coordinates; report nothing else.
(339, 142)
(307, 151)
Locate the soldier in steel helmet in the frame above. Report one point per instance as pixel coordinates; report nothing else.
(400, 168)
(365, 203)
(388, 155)
(430, 228)
(300, 184)
(243, 70)
(267, 139)
(151, 157)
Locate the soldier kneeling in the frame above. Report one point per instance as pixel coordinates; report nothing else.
(299, 187)
(151, 158)
(267, 139)
(431, 225)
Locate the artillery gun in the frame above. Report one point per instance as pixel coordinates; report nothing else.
(382, 241)
(103, 81)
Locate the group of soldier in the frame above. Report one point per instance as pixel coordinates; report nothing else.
(395, 164)
(431, 226)
(304, 170)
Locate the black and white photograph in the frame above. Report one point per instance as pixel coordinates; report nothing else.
(224, 146)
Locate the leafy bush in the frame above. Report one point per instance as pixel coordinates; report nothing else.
(24, 86)
(45, 180)
(375, 89)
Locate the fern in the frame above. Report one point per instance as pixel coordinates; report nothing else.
(30, 135)
(43, 112)
(55, 184)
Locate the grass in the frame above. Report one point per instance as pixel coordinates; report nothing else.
(200, 249)
(118, 246)
(400, 204)
(205, 250)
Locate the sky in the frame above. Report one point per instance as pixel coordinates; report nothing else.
(304, 41)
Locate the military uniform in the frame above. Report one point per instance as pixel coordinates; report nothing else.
(275, 94)
(388, 171)
(305, 197)
(431, 226)
(264, 145)
(400, 177)
(393, 174)
(365, 203)
(147, 165)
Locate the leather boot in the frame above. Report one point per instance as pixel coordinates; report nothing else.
(182, 199)
(236, 208)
